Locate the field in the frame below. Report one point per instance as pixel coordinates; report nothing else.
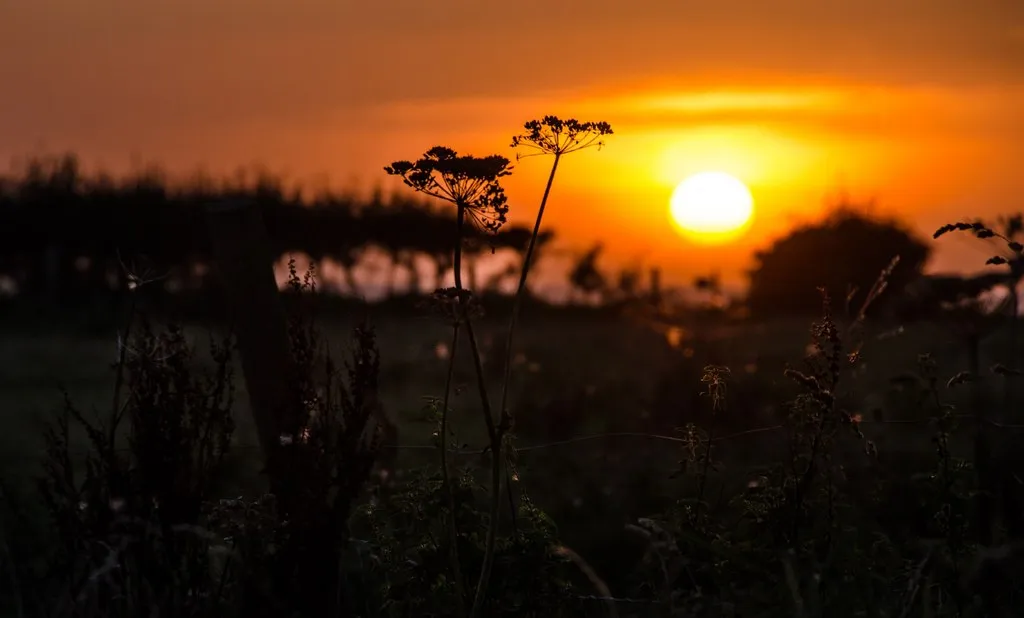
(599, 400)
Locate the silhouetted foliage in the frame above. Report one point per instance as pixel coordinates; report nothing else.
(66, 235)
(126, 520)
(843, 254)
(585, 277)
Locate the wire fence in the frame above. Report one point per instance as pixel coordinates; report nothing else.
(596, 437)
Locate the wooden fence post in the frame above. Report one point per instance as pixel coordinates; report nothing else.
(243, 260)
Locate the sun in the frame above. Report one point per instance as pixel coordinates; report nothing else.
(712, 206)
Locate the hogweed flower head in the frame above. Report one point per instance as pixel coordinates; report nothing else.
(471, 183)
(554, 136)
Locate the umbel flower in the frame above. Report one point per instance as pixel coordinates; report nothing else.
(471, 183)
(554, 136)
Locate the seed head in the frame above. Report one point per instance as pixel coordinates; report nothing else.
(555, 136)
(468, 182)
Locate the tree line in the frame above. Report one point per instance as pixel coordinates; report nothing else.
(66, 234)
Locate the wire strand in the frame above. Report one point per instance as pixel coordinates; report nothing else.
(596, 437)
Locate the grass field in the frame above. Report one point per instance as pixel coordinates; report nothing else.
(578, 373)
(598, 398)
(609, 365)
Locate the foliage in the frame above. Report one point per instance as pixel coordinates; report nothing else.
(328, 448)
(404, 569)
(128, 521)
(585, 277)
(843, 254)
(65, 233)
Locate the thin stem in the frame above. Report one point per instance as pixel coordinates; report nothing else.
(117, 411)
(521, 289)
(953, 542)
(506, 417)
(1012, 357)
(453, 531)
(497, 436)
(492, 530)
(493, 433)
(706, 466)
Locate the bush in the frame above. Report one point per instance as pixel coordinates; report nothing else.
(843, 254)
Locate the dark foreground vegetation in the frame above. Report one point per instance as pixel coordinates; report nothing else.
(629, 460)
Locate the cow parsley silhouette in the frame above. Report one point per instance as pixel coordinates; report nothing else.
(554, 136)
(471, 183)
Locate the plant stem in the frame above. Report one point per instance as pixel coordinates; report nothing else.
(1012, 357)
(706, 466)
(493, 433)
(521, 289)
(453, 531)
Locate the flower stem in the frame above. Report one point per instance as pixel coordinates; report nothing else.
(497, 452)
(453, 531)
(521, 290)
(493, 433)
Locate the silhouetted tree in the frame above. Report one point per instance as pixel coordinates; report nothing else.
(586, 279)
(845, 254)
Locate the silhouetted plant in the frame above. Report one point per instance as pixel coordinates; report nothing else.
(329, 445)
(585, 276)
(473, 185)
(128, 520)
(1012, 257)
(556, 137)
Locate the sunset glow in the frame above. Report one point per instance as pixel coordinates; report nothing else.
(919, 108)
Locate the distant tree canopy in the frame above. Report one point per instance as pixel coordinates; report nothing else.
(65, 235)
(845, 252)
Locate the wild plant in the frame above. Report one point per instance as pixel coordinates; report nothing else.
(951, 486)
(129, 518)
(329, 444)
(555, 137)
(406, 568)
(473, 185)
(991, 461)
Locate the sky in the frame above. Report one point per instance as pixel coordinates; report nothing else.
(914, 104)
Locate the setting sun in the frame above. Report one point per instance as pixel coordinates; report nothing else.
(711, 206)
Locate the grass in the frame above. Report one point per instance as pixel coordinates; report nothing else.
(592, 488)
(564, 354)
(561, 353)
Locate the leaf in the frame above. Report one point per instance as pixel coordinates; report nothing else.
(960, 378)
(1003, 370)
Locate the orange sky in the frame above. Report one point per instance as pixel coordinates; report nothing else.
(915, 102)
